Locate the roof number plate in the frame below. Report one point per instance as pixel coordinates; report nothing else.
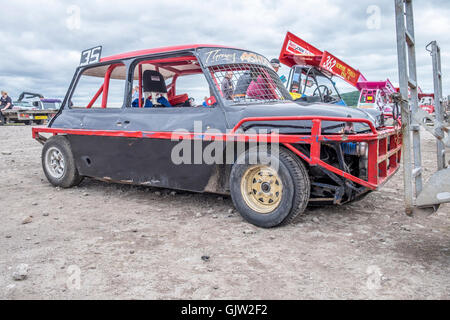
(91, 56)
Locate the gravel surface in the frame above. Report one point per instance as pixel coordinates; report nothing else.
(102, 241)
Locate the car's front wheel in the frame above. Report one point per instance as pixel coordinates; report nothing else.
(271, 191)
(58, 163)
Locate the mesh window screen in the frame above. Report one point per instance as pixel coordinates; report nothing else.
(238, 83)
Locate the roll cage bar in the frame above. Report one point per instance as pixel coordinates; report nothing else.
(311, 70)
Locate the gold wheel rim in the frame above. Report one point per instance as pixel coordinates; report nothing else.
(262, 188)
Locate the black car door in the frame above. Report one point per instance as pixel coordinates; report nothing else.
(149, 159)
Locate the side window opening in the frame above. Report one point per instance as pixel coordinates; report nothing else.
(196, 86)
(169, 82)
(100, 87)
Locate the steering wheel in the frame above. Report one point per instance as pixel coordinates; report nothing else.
(326, 93)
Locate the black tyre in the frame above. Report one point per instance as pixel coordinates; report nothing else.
(58, 163)
(272, 191)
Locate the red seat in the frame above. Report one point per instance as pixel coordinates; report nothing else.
(181, 98)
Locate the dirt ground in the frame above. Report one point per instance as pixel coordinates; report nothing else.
(102, 241)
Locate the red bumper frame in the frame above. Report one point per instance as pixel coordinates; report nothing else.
(384, 145)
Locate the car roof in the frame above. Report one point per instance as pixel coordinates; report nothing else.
(145, 52)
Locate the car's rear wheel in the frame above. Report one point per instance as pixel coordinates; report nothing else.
(58, 163)
(272, 191)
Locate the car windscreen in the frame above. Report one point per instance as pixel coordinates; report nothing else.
(242, 76)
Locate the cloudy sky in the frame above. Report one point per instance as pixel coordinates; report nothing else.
(42, 40)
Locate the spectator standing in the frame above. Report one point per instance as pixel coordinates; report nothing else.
(5, 104)
(227, 86)
(135, 93)
(243, 83)
(276, 66)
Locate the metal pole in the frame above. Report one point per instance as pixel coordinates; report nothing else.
(403, 80)
(415, 126)
(439, 112)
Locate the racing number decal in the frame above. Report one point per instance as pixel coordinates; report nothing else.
(339, 68)
(91, 56)
(329, 64)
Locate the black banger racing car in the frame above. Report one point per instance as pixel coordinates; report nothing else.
(314, 153)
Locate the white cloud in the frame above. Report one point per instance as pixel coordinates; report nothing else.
(40, 51)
